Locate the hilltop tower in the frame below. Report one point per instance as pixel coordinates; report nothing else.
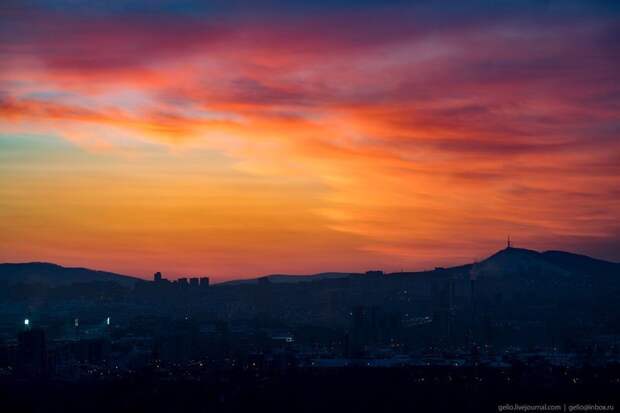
(508, 243)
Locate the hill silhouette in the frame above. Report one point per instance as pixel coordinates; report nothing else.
(53, 274)
(512, 261)
(504, 263)
(530, 263)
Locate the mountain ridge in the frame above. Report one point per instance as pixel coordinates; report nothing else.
(551, 261)
(54, 274)
(507, 261)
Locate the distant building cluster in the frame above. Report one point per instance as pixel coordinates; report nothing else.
(374, 273)
(184, 282)
(492, 321)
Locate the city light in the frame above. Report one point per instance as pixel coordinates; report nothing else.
(26, 322)
(107, 321)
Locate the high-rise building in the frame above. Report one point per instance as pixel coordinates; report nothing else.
(157, 277)
(31, 353)
(374, 273)
(204, 282)
(194, 282)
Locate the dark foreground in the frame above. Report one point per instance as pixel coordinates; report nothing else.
(325, 389)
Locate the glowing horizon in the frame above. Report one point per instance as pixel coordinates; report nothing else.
(234, 140)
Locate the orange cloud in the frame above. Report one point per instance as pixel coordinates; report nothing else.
(233, 147)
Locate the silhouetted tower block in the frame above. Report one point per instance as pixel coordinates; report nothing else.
(374, 273)
(369, 326)
(443, 305)
(204, 282)
(488, 329)
(157, 277)
(508, 243)
(442, 323)
(31, 354)
(473, 279)
(334, 302)
(183, 282)
(90, 350)
(98, 350)
(263, 296)
(357, 340)
(194, 282)
(222, 331)
(359, 317)
(443, 294)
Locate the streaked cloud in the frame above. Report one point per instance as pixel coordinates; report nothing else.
(358, 134)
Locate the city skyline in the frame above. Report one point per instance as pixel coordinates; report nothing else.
(233, 140)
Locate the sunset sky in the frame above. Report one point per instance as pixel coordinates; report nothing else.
(239, 138)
